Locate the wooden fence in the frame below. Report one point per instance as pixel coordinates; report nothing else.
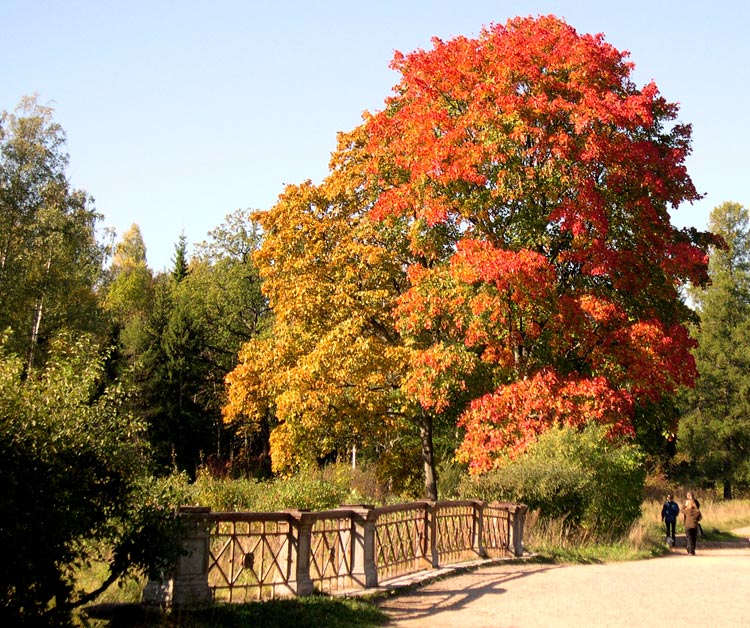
(245, 556)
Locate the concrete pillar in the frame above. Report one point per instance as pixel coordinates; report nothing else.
(518, 519)
(188, 585)
(433, 558)
(478, 529)
(364, 567)
(301, 559)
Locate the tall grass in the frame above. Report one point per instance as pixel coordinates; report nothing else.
(556, 540)
(719, 515)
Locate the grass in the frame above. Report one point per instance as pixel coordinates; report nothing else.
(308, 612)
(556, 542)
(719, 516)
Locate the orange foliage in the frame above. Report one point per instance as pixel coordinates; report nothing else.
(499, 233)
(543, 178)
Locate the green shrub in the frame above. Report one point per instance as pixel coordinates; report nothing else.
(72, 470)
(580, 475)
(308, 489)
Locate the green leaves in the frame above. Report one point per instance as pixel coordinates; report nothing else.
(715, 431)
(72, 465)
(50, 260)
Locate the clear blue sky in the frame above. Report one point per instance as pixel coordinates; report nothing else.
(180, 112)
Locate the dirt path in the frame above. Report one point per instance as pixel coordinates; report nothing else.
(711, 589)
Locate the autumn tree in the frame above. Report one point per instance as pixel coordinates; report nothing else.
(538, 181)
(49, 257)
(502, 231)
(326, 378)
(714, 434)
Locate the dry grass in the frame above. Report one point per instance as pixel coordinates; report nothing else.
(718, 515)
(561, 542)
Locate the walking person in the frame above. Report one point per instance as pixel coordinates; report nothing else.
(691, 515)
(669, 512)
(698, 506)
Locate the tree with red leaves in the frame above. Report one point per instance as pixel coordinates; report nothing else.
(493, 249)
(533, 181)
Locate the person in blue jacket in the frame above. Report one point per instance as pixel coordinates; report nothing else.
(669, 512)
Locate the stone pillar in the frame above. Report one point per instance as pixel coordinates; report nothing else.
(518, 519)
(433, 559)
(188, 585)
(478, 528)
(301, 562)
(364, 565)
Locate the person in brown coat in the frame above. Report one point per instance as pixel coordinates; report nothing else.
(691, 515)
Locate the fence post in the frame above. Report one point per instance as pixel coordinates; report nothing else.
(518, 514)
(301, 562)
(188, 585)
(364, 565)
(431, 514)
(478, 528)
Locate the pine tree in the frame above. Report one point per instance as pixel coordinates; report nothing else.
(180, 268)
(715, 432)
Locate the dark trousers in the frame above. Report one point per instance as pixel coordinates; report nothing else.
(691, 535)
(670, 528)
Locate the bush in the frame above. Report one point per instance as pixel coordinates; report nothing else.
(310, 489)
(581, 475)
(71, 470)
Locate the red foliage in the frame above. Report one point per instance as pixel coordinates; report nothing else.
(537, 180)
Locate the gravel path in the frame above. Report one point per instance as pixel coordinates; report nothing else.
(711, 589)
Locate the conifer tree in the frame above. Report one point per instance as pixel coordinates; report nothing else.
(715, 433)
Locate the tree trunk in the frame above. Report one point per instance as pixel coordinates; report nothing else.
(727, 489)
(35, 326)
(37, 323)
(428, 457)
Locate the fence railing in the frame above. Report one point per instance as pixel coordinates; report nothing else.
(244, 556)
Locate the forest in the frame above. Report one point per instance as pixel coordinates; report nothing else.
(486, 286)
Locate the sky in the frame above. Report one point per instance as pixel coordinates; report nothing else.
(178, 113)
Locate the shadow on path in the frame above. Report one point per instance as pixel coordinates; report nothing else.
(463, 590)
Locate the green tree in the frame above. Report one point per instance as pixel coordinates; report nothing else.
(167, 376)
(181, 333)
(222, 293)
(180, 260)
(715, 432)
(49, 257)
(73, 469)
(129, 291)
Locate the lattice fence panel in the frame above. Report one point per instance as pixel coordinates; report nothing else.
(496, 528)
(331, 554)
(401, 542)
(250, 560)
(454, 533)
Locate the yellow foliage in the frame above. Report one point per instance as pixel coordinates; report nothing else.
(332, 369)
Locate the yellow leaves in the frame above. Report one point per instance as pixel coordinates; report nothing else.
(248, 391)
(331, 371)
